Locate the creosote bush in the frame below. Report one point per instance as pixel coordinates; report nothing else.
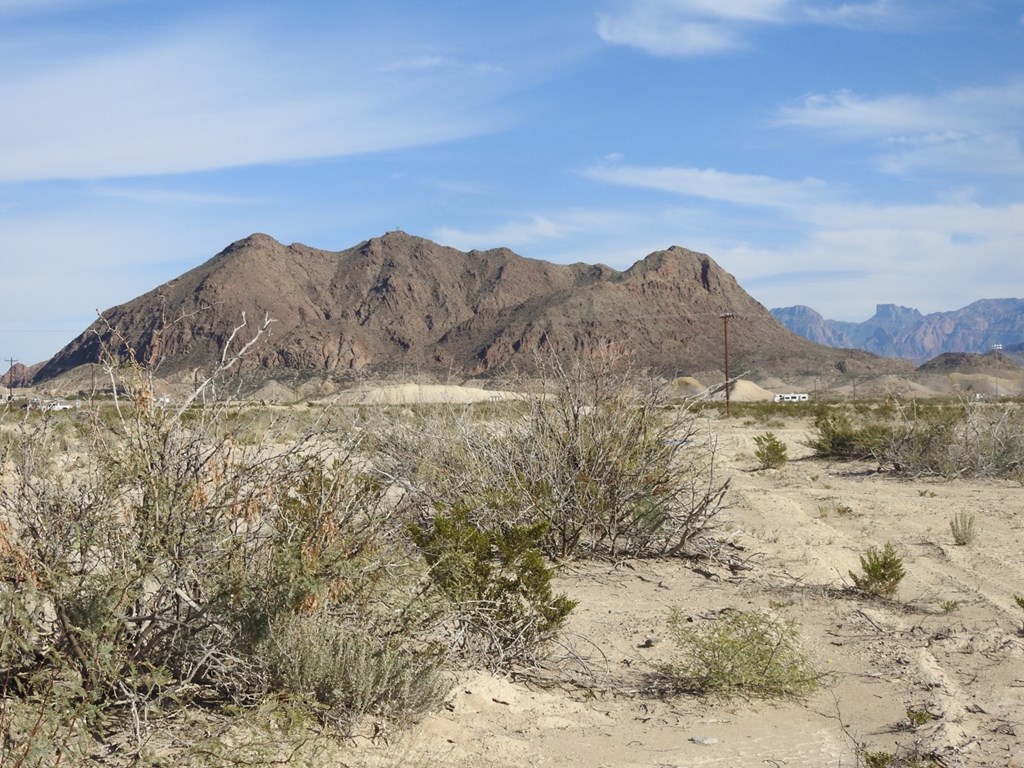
(881, 571)
(738, 652)
(499, 587)
(770, 452)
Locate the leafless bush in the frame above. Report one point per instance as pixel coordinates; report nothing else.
(595, 452)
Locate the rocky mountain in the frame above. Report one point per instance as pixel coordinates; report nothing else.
(19, 375)
(896, 331)
(403, 302)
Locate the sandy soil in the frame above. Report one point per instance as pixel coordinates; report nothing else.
(949, 644)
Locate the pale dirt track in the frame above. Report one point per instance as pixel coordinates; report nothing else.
(804, 527)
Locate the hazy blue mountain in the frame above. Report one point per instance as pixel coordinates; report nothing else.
(895, 331)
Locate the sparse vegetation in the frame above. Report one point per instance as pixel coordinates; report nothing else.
(595, 455)
(742, 652)
(881, 571)
(916, 718)
(770, 451)
(962, 440)
(962, 526)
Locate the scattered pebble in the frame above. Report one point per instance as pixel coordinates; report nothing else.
(707, 741)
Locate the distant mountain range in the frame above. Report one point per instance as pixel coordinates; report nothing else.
(403, 303)
(896, 331)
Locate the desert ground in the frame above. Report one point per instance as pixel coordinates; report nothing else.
(948, 647)
(949, 644)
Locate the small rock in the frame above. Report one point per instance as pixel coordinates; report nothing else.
(706, 741)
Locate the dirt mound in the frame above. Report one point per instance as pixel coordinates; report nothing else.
(746, 392)
(685, 386)
(409, 394)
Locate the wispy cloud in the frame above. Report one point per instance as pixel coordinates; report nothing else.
(992, 154)
(964, 129)
(164, 196)
(746, 189)
(880, 13)
(534, 228)
(201, 100)
(687, 27)
(969, 109)
(683, 28)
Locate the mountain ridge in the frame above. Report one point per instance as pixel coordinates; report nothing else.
(401, 301)
(904, 332)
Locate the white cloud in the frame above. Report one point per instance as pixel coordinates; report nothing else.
(925, 255)
(687, 27)
(972, 130)
(682, 28)
(746, 189)
(858, 15)
(965, 109)
(691, 39)
(992, 154)
(214, 99)
(162, 196)
(533, 229)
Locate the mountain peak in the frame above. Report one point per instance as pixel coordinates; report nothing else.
(402, 301)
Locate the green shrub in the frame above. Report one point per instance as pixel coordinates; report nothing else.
(742, 652)
(962, 526)
(496, 578)
(882, 571)
(770, 451)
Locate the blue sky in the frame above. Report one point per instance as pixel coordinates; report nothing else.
(831, 153)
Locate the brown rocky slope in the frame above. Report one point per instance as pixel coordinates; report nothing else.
(403, 302)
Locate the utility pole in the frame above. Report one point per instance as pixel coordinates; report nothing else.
(996, 348)
(725, 326)
(10, 378)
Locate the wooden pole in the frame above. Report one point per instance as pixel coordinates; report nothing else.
(725, 323)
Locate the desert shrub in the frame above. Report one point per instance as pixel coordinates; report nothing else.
(498, 583)
(743, 652)
(595, 453)
(962, 526)
(770, 452)
(962, 440)
(152, 562)
(838, 436)
(349, 672)
(881, 571)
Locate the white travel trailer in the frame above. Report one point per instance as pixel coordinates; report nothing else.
(793, 397)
